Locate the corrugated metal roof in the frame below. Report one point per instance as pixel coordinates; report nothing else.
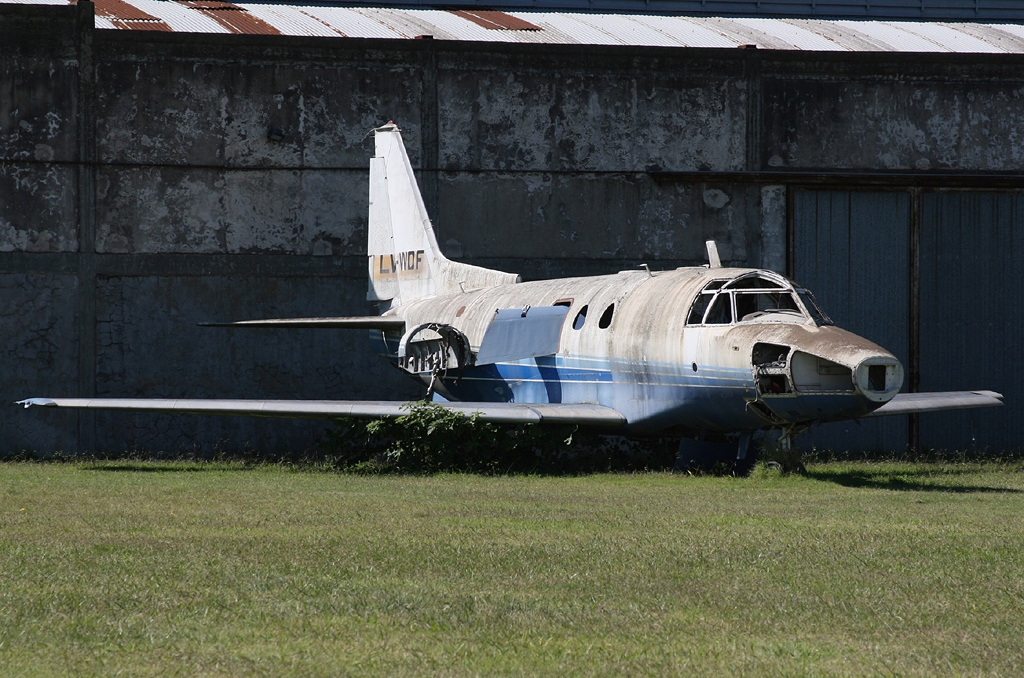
(568, 27)
(958, 41)
(294, 22)
(794, 34)
(180, 18)
(232, 17)
(347, 20)
(494, 20)
(121, 14)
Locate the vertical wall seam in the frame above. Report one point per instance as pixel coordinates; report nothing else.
(429, 133)
(914, 324)
(86, 304)
(790, 231)
(755, 115)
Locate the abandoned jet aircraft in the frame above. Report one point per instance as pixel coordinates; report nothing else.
(703, 349)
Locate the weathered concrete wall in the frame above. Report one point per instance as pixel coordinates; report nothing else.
(589, 216)
(590, 112)
(141, 191)
(955, 113)
(147, 332)
(39, 80)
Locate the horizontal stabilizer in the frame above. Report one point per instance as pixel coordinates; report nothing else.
(912, 403)
(518, 333)
(369, 322)
(503, 413)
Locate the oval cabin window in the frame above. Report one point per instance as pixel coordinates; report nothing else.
(606, 317)
(581, 318)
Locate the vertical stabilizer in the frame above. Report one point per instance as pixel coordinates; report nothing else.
(404, 259)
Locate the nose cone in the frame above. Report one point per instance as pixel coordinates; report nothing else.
(822, 373)
(879, 378)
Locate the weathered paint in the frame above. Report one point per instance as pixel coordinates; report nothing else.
(165, 107)
(627, 340)
(642, 363)
(762, 353)
(835, 121)
(512, 116)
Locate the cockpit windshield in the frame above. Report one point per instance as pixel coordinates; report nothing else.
(811, 304)
(758, 296)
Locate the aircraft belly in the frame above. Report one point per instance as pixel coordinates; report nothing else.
(820, 406)
(652, 398)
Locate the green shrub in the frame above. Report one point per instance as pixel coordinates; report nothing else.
(431, 438)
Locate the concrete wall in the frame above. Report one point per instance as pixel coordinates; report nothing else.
(140, 192)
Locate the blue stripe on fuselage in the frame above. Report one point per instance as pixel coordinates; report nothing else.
(650, 395)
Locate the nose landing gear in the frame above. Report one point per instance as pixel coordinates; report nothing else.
(705, 454)
(785, 456)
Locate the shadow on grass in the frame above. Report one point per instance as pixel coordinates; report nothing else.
(897, 481)
(166, 467)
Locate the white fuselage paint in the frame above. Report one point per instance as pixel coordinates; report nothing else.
(649, 364)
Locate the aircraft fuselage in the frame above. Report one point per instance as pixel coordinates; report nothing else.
(634, 341)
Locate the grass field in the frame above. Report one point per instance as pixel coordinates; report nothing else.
(204, 569)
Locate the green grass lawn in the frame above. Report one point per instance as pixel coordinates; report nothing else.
(205, 569)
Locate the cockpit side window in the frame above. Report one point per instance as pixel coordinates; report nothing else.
(749, 297)
(811, 304)
(750, 305)
(721, 310)
(703, 300)
(700, 306)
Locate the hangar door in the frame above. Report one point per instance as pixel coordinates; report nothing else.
(852, 250)
(972, 251)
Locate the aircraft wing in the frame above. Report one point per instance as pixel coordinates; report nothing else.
(913, 403)
(502, 413)
(370, 322)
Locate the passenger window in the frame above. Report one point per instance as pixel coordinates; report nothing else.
(581, 318)
(563, 302)
(606, 317)
(721, 310)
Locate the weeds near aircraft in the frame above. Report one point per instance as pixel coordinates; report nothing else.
(712, 355)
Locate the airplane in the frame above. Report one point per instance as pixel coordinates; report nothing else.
(698, 352)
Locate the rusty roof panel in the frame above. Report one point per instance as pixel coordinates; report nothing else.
(232, 17)
(181, 19)
(293, 20)
(118, 9)
(495, 21)
(450, 26)
(141, 25)
(126, 16)
(352, 23)
(214, 16)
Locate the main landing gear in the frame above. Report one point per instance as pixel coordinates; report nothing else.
(736, 456)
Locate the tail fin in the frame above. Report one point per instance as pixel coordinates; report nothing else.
(405, 261)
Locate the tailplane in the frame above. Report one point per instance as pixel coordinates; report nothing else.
(404, 259)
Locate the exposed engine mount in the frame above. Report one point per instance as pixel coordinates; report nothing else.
(434, 348)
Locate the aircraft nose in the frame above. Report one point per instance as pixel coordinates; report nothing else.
(879, 378)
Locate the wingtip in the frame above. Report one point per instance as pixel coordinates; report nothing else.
(38, 402)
